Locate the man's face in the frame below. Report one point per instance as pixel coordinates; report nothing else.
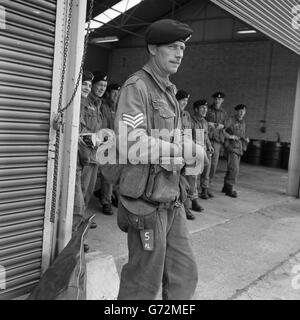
(241, 113)
(183, 103)
(86, 88)
(113, 95)
(219, 102)
(168, 57)
(203, 110)
(99, 88)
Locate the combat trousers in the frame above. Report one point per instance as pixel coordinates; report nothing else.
(79, 205)
(214, 159)
(171, 263)
(106, 190)
(88, 181)
(204, 179)
(233, 166)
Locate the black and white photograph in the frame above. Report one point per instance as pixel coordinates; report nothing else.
(149, 151)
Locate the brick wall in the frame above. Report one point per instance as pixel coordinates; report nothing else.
(97, 58)
(245, 71)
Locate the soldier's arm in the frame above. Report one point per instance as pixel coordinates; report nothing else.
(227, 128)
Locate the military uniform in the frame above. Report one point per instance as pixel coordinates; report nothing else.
(106, 188)
(235, 150)
(147, 101)
(217, 136)
(92, 123)
(199, 123)
(83, 156)
(187, 123)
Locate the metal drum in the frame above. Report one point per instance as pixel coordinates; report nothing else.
(286, 148)
(254, 152)
(272, 154)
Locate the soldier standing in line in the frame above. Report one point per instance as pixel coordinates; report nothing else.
(236, 144)
(158, 239)
(193, 199)
(216, 118)
(107, 109)
(93, 113)
(83, 154)
(200, 123)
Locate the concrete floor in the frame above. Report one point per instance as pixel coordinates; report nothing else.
(246, 248)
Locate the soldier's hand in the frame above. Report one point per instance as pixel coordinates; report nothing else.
(211, 150)
(220, 126)
(105, 136)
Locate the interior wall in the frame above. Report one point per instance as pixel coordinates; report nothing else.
(250, 69)
(97, 59)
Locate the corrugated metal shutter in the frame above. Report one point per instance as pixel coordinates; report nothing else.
(278, 19)
(26, 60)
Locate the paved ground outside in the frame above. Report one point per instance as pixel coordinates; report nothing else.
(246, 248)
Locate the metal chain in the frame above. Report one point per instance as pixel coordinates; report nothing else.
(60, 109)
(90, 16)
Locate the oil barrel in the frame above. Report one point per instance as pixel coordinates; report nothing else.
(254, 152)
(286, 148)
(272, 154)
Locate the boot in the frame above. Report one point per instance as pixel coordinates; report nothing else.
(204, 194)
(196, 205)
(210, 194)
(107, 209)
(188, 213)
(230, 192)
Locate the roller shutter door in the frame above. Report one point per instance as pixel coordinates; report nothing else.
(26, 60)
(278, 19)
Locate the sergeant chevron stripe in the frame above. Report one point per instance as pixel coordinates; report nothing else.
(133, 121)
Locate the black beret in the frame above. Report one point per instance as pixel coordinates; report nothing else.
(87, 76)
(99, 76)
(218, 95)
(113, 86)
(200, 103)
(167, 31)
(240, 107)
(181, 94)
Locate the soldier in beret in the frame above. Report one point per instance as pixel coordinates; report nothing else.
(107, 109)
(158, 241)
(93, 113)
(84, 152)
(183, 98)
(216, 118)
(200, 123)
(236, 144)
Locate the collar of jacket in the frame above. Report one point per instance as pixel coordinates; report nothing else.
(163, 83)
(96, 101)
(238, 120)
(197, 118)
(85, 102)
(213, 107)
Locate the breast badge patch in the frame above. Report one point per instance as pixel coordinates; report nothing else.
(133, 121)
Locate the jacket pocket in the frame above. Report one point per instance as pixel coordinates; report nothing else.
(164, 116)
